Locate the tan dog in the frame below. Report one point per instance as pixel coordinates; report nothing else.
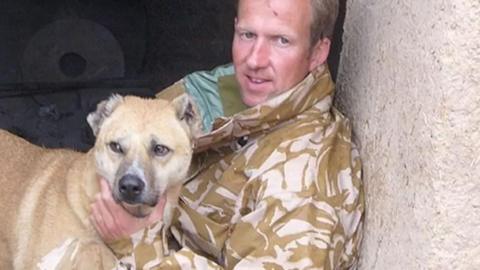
(143, 149)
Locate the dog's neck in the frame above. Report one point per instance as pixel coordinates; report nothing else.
(82, 186)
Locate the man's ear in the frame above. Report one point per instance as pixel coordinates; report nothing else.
(319, 53)
(186, 110)
(104, 110)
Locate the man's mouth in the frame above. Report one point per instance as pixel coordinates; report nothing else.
(257, 80)
(257, 84)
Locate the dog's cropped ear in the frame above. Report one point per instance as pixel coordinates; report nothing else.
(104, 110)
(188, 111)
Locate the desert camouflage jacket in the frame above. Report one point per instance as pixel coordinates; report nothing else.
(277, 186)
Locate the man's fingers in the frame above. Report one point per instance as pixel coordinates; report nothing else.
(105, 190)
(105, 214)
(97, 221)
(113, 221)
(108, 203)
(119, 222)
(157, 213)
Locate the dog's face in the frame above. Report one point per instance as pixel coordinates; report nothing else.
(143, 147)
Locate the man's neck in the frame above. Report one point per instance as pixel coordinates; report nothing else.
(230, 95)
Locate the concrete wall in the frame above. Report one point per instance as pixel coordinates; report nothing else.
(409, 79)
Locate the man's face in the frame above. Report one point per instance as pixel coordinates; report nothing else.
(271, 47)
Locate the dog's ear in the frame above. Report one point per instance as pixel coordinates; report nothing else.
(104, 110)
(188, 111)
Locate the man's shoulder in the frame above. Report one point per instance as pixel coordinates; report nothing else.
(172, 91)
(196, 79)
(310, 133)
(210, 76)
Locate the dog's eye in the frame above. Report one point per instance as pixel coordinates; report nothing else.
(160, 150)
(116, 147)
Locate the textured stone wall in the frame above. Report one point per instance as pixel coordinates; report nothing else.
(409, 79)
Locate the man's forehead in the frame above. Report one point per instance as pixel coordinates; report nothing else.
(277, 7)
(281, 16)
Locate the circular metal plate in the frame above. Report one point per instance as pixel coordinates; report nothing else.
(72, 50)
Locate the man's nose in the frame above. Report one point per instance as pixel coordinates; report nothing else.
(259, 55)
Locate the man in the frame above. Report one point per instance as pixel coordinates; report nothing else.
(278, 185)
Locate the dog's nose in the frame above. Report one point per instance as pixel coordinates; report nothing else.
(131, 187)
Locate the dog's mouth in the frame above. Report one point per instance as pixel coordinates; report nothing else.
(137, 210)
(140, 207)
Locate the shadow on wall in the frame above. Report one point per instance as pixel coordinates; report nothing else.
(336, 49)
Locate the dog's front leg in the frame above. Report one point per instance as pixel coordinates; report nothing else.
(80, 254)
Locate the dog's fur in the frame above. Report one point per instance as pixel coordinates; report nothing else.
(46, 194)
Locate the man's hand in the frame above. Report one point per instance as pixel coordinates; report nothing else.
(113, 222)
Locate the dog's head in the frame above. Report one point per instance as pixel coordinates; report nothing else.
(143, 147)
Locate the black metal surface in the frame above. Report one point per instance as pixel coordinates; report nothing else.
(160, 40)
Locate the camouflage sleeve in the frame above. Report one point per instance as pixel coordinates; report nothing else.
(298, 226)
(172, 91)
(293, 233)
(142, 249)
(147, 250)
(186, 259)
(303, 213)
(292, 225)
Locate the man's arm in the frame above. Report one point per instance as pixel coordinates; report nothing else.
(113, 222)
(139, 240)
(291, 230)
(303, 229)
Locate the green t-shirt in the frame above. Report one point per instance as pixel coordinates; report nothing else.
(216, 93)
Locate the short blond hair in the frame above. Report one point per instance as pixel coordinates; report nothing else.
(324, 16)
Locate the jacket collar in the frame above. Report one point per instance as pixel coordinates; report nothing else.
(316, 89)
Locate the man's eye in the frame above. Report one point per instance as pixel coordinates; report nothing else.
(283, 41)
(247, 35)
(160, 150)
(115, 147)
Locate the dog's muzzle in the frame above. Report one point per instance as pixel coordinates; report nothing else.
(131, 189)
